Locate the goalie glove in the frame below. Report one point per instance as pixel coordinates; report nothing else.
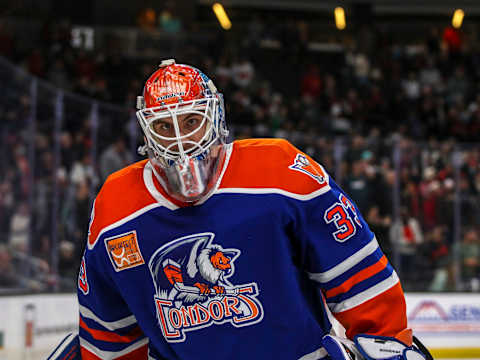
(373, 347)
(339, 348)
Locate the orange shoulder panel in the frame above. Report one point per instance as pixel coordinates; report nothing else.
(123, 193)
(272, 163)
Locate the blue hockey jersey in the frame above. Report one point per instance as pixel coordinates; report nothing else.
(247, 273)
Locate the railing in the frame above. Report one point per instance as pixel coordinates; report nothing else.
(422, 200)
(54, 157)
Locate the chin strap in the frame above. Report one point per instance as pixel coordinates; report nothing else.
(142, 150)
(374, 347)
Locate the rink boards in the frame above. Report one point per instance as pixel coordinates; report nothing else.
(448, 324)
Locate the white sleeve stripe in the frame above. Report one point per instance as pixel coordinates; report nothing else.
(318, 354)
(346, 264)
(259, 191)
(110, 325)
(122, 221)
(110, 355)
(65, 342)
(366, 295)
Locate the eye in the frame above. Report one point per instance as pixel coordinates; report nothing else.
(191, 122)
(165, 126)
(162, 127)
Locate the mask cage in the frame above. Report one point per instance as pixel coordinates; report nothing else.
(211, 111)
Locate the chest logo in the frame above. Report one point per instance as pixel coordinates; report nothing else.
(123, 251)
(193, 289)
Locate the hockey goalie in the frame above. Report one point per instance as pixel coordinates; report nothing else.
(210, 249)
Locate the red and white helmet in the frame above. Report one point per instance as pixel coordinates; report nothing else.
(183, 119)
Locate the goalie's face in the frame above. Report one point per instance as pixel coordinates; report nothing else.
(186, 130)
(184, 150)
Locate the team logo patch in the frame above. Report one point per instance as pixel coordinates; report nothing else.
(193, 291)
(82, 278)
(124, 251)
(303, 165)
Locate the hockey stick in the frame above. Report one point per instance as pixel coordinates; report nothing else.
(422, 348)
(196, 291)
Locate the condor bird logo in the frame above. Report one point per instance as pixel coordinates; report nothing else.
(192, 288)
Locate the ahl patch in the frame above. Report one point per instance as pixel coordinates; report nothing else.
(303, 165)
(124, 251)
(82, 278)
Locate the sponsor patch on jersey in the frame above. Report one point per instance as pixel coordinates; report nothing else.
(82, 278)
(124, 251)
(302, 164)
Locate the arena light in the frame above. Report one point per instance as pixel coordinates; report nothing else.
(457, 18)
(222, 16)
(340, 21)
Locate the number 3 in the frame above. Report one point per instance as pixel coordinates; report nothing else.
(342, 220)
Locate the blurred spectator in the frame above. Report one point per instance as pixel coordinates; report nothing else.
(7, 44)
(430, 75)
(114, 157)
(452, 38)
(361, 68)
(68, 264)
(76, 205)
(406, 235)
(311, 84)
(457, 86)
(223, 73)
(7, 205)
(146, 20)
(468, 253)
(430, 191)
(411, 86)
(380, 226)
(168, 21)
(242, 72)
(435, 269)
(9, 277)
(36, 63)
(433, 41)
(58, 74)
(20, 228)
(255, 30)
(358, 187)
(83, 171)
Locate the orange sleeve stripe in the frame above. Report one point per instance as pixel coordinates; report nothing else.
(358, 277)
(109, 336)
(383, 315)
(138, 354)
(87, 355)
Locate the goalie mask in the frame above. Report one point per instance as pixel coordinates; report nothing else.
(182, 117)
